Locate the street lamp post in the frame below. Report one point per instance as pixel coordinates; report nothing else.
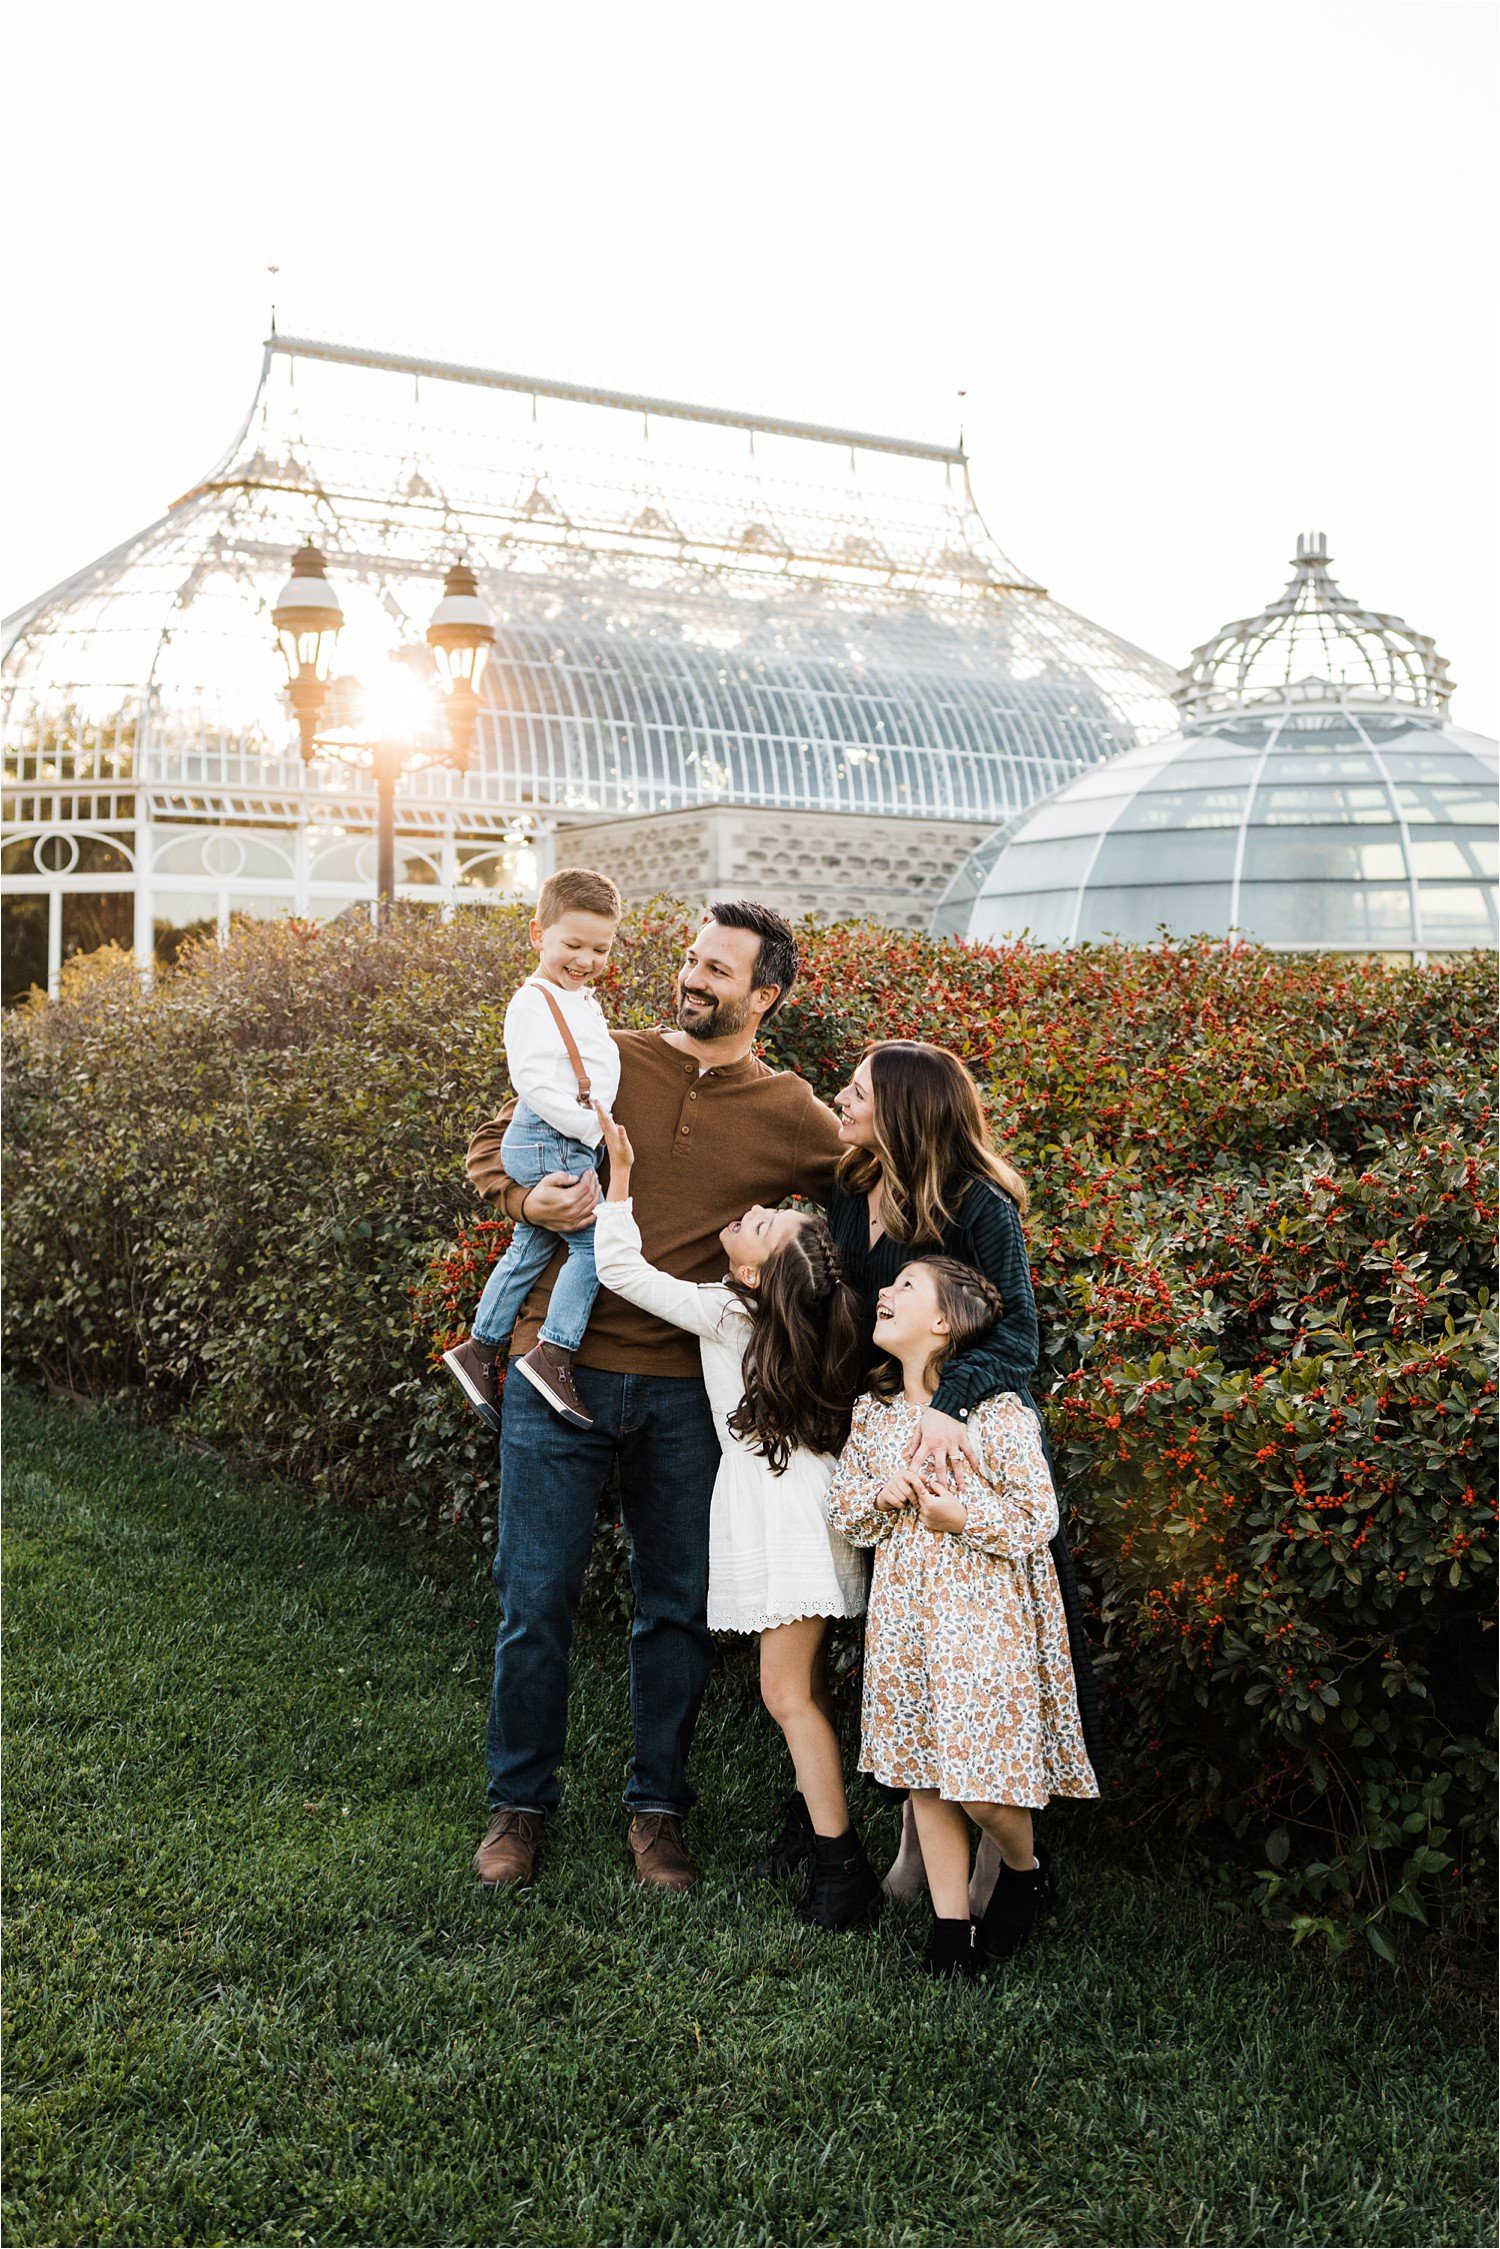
(308, 619)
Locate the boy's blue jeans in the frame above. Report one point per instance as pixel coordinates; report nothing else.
(531, 1148)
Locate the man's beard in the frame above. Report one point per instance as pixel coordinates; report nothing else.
(711, 1018)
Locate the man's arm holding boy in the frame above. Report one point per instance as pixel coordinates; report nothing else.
(558, 1203)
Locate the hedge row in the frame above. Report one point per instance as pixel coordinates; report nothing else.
(1263, 1241)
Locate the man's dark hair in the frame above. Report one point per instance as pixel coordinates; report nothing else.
(776, 962)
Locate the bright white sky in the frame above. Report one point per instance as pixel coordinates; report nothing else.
(1211, 271)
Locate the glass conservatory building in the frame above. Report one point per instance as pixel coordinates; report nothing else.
(1315, 797)
(699, 614)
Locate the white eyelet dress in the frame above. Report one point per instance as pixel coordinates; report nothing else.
(773, 1557)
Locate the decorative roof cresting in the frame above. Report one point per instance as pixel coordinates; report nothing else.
(1311, 647)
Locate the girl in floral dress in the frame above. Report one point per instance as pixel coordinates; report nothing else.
(969, 1699)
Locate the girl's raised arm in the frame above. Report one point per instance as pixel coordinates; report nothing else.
(622, 1267)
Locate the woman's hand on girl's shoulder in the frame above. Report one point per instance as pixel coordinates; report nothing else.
(948, 1443)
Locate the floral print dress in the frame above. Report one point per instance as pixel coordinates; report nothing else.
(968, 1683)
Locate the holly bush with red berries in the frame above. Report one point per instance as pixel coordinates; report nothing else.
(1262, 1232)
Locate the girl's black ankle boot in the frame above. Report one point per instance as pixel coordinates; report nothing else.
(951, 1949)
(791, 1848)
(843, 1888)
(1015, 1902)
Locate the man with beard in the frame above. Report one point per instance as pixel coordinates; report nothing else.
(714, 1131)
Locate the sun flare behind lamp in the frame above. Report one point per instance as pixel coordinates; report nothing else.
(308, 618)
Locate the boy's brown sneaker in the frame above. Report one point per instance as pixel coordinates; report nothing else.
(506, 1859)
(656, 1845)
(549, 1370)
(474, 1367)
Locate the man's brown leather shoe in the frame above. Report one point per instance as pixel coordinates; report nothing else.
(506, 1857)
(661, 1862)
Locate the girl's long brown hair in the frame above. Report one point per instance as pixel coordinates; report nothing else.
(806, 1354)
(969, 1303)
(931, 1139)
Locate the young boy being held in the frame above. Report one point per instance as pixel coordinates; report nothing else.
(561, 1059)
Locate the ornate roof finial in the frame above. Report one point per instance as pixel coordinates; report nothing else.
(1312, 646)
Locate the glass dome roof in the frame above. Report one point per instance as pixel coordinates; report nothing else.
(692, 607)
(1330, 810)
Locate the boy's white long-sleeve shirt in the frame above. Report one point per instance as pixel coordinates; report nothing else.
(538, 1064)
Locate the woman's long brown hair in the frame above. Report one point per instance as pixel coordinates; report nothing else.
(931, 1139)
(806, 1355)
(969, 1303)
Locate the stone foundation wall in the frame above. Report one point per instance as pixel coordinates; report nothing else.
(838, 866)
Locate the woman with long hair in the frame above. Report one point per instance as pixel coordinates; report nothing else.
(783, 1343)
(921, 1175)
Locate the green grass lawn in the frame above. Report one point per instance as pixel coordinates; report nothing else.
(255, 1995)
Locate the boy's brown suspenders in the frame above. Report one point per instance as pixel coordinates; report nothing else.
(570, 1044)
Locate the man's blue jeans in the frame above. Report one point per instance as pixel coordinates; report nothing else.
(552, 1475)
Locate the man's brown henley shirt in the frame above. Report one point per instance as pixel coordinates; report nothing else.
(706, 1147)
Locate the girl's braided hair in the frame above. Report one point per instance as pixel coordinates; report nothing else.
(806, 1353)
(969, 1302)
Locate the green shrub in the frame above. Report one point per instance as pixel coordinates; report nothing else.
(1263, 1240)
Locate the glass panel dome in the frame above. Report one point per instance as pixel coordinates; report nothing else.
(1337, 812)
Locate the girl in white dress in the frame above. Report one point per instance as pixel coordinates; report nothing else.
(783, 1355)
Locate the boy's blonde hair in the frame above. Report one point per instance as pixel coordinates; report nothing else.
(577, 890)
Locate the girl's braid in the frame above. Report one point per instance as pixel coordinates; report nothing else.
(979, 1284)
(822, 1257)
(967, 1281)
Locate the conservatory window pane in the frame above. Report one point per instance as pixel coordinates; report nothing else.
(23, 924)
(352, 862)
(94, 918)
(1433, 765)
(1039, 866)
(1187, 908)
(1318, 728)
(1328, 801)
(1194, 808)
(1070, 818)
(1449, 800)
(187, 914)
(1202, 855)
(263, 905)
(1306, 765)
(1111, 780)
(1456, 852)
(1046, 915)
(1324, 855)
(1313, 913)
(1203, 773)
(1457, 914)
